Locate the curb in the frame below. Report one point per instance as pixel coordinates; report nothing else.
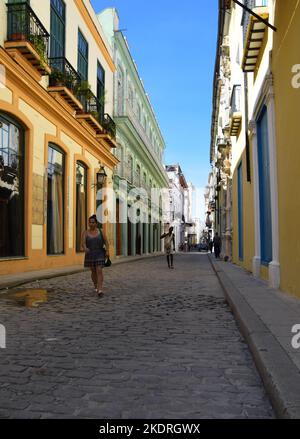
(68, 271)
(279, 374)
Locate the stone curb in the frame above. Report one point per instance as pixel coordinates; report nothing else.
(279, 374)
(28, 277)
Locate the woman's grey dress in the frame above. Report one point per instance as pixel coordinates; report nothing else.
(96, 255)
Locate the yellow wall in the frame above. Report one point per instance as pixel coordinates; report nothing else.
(44, 121)
(248, 218)
(287, 103)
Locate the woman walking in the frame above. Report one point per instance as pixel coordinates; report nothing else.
(93, 241)
(169, 246)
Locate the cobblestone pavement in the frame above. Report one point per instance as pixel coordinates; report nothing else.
(160, 344)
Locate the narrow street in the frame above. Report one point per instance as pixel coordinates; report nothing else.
(160, 344)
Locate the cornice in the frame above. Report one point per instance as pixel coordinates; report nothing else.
(126, 55)
(127, 130)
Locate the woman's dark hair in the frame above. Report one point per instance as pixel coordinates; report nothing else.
(93, 217)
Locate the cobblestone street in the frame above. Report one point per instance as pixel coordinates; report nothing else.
(160, 344)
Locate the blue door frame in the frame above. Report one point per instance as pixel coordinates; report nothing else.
(264, 188)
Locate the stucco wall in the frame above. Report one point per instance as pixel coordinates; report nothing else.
(285, 55)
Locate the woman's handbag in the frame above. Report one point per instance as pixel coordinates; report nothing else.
(107, 262)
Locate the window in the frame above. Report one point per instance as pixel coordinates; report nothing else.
(55, 201)
(130, 95)
(83, 53)
(101, 89)
(57, 26)
(11, 188)
(129, 168)
(120, 91)
(138, 111)
(138, 175)
(81, 202)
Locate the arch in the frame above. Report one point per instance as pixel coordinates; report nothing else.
(57, 197)
(12, 111)
(78, 158)
(12, 187)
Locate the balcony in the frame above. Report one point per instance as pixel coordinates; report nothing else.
(255, 37)
(235, 112)
(91, 114)
(128, 112)
(63, 83)
(27, 39)
(109, 135)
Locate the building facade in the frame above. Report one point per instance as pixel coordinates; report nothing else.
(140, 150)
(253, 150)
(176, 203)
(56, 102)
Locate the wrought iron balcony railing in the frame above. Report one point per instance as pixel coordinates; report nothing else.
(109, 125)
(91, 104)
(24, 25)
(63, 75)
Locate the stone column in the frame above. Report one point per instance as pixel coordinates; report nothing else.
(274, 266)
(256, 261)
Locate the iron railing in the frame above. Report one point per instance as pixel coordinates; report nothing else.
(63, 74)
(91, 104)
(109, 125)
(24, 25)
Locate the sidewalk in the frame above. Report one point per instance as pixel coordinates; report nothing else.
(266, 317)
(14, 280)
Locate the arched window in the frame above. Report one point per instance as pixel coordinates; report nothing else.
(120, 91)
(130, 95)
(55, 200)
(138, 175)
(129, 168)
(11, 187)
(81, 203)
(138, 112)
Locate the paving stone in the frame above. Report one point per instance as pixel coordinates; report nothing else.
(160, 343)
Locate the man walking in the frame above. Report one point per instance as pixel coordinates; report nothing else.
(217, 245)
(169, 246)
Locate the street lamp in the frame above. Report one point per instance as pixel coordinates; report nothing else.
(100, 177)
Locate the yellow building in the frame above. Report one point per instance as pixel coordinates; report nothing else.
(254, 138)
(56, 94)
(286, 68)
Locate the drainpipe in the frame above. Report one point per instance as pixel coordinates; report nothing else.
(248, 166)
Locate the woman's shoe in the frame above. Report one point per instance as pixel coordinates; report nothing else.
(100, 293)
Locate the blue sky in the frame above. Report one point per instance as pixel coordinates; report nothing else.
(174, 44)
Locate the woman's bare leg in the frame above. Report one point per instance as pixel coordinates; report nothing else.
(94, 276)
(99, 278)
(168, 259)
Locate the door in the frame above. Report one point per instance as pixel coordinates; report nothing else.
(264, 188)
(240, 212)
(129, 234)
(118, 230)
